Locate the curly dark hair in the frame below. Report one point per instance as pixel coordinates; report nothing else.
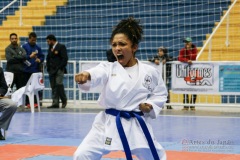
(131, 28)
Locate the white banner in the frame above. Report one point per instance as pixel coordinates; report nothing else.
(206, 78)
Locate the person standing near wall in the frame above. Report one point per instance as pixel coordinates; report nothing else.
(16, 60)
(57, 60)
(163, 57)
(187, 55)
(35, 57)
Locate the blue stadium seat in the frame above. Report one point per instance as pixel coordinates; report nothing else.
(122, 7)
(85, 26)
(156, 18)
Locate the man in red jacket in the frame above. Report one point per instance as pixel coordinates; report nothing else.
(187, 55)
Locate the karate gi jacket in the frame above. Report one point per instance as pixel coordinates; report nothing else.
(120, 93)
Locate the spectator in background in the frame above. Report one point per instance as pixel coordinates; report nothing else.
(187, 55)
(7, 106)
(16, 59)
(57, 59)
(35, 57)
(162, 57)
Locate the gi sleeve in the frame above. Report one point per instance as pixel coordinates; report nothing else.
(157, 97)
(99, 77)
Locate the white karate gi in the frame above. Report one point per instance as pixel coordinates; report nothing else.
(120, 93)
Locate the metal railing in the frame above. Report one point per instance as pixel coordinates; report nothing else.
(209, 40)
(20, 9)
(69, 82)
(75, 96)
(7, 6)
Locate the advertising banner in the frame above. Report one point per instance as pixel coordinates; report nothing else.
(206, 78)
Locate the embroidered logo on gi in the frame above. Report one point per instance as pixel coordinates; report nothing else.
(108, 141)
(147, 83)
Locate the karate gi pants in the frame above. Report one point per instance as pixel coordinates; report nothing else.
(8, 108)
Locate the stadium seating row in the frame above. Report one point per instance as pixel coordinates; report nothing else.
(154, 19)
(122, 6)
(85, 27)
(97, 2)
(103, 33)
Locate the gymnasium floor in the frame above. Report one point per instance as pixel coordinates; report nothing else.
(54, 134)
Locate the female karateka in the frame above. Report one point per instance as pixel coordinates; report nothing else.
(133, 93)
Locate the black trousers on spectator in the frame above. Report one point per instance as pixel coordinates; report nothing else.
(186, 99)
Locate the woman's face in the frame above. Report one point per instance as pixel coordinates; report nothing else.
(124, 50)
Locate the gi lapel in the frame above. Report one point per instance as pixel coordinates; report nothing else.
(132, 86)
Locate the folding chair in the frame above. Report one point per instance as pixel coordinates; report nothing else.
(34, 84)
(9, 79)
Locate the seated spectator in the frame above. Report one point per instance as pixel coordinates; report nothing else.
(7, 106)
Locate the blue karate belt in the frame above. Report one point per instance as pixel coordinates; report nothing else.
(128, 115)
